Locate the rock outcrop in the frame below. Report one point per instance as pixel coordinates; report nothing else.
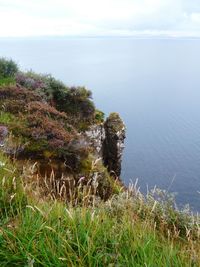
(107, 140)
(113, 144)
(96, 136)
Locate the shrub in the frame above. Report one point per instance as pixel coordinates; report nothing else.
(76, 101)
(16, 93)
(26, 80)
(99, 116)
(46, 110)
(8, 68)
(44, 84)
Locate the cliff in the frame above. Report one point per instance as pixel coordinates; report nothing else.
(44, 121)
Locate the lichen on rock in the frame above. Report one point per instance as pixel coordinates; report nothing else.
(96, 136)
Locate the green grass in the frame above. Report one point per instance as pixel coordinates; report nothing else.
(50, 235)
(7, 81)
(12, 196)
(124, 231)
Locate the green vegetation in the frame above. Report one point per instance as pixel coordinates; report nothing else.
(12, 197)
(126, 230)
(99, 116)
(75, 101)
(7, 81)
(6, 117)
(8, 68)
(48, 117)
(114, 122)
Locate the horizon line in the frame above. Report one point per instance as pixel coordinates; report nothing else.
(135, 36)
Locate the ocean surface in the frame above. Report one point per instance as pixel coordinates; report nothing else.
(153, 83)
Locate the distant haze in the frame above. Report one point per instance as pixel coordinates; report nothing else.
(168, 18)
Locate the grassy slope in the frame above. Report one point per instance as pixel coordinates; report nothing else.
(120, 232)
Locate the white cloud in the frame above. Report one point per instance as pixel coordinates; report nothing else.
(99, 17)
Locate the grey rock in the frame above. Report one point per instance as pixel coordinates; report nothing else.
(113, 144)
(107, 140)
(96, 137)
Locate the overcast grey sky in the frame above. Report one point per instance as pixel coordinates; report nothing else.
(100, 17)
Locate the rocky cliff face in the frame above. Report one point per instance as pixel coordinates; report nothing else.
(107, 140)
(96, 136)
(113, 144)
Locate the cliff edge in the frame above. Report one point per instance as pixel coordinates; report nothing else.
(44, 121)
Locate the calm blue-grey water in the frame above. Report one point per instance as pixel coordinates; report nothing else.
(153, 83)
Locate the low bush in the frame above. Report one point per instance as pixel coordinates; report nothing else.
(75, 101)
(8, 68)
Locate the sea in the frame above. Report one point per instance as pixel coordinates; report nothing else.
(153, 83)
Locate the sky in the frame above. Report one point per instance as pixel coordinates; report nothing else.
(171, 18)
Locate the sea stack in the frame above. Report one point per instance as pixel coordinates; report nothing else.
(113, 144)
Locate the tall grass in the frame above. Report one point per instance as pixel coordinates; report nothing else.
(12, 195)
(127, 230)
